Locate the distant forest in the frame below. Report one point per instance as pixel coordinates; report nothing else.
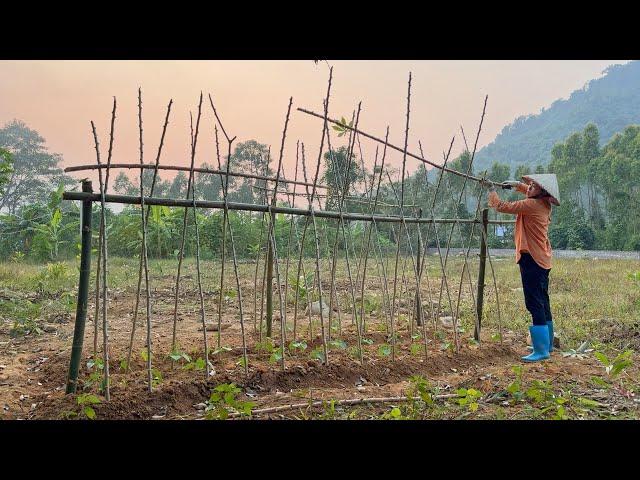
(611, 103)
(599, 194)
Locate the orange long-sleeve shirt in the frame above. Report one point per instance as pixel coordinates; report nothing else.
(532, 225)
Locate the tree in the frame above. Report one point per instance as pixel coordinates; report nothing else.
(250, 157)
(178, 187)
(6, 168)
(335, 175)
(522, 170)
(124, 186)
(499, 172)
(35, 171)
(208, 186)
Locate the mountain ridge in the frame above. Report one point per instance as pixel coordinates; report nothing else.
(611, 102)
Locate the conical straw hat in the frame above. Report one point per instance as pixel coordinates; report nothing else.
(548, 181)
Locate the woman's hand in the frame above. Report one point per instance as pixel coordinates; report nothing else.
(509, 184)
(493, 199)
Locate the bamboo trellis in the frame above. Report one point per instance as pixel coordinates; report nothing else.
(401, 215)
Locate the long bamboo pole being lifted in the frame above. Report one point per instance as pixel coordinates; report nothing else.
(399, 149)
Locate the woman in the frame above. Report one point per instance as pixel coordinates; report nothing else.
(533, 252)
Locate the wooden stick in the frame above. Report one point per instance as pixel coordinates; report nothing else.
(180, 257)
(339, 227)
(395, 275)
(105, 331)
(233, 245)
(274, 245)
(353, 401)
(368, 234)
(101, 235)
(144, 250)
(313, 219)
(292, 203)
(210, 171)
(194, 141)
(153, 184)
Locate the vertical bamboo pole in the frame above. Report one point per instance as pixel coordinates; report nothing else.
(233, 245)
(83, 292)
(483, 260)
(153, 183)
(144, 249)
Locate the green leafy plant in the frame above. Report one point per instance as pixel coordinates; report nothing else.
(96, 377)
(617, 365)
(469, 397)
(446, 346)
(329, 410)
(301, 285)
(299, 345)
(515, 387)
(394, 414)
(318, 354)
(539, 391)
(421, 395)
(338, 344)
(52, 277)
(144, 354)
(230, 294)
(85, 401)
(276, 356)
(371, 304)
(354, 352)
(25, 314)
(384, 350)
(199, 364)
(156, 377)
(265, 346)
(342, 127)
(223, 401)
(218, 351)
(178, 356)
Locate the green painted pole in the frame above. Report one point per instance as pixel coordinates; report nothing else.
(83, 291)
(483, 262)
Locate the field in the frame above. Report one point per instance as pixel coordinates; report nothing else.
(594, 301)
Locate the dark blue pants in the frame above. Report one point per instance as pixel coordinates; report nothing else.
(535, 285)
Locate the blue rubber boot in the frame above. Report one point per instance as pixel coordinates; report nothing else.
(550, 326)
(540, 341)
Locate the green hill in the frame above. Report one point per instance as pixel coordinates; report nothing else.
(611, 103)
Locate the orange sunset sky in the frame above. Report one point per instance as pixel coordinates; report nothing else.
(60, 98)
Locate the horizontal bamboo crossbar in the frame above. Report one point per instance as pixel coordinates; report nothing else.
(170, 202)
(150, 166)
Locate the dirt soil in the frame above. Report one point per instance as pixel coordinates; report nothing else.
(34, 369)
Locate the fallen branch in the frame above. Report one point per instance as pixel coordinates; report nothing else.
(353, 401)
